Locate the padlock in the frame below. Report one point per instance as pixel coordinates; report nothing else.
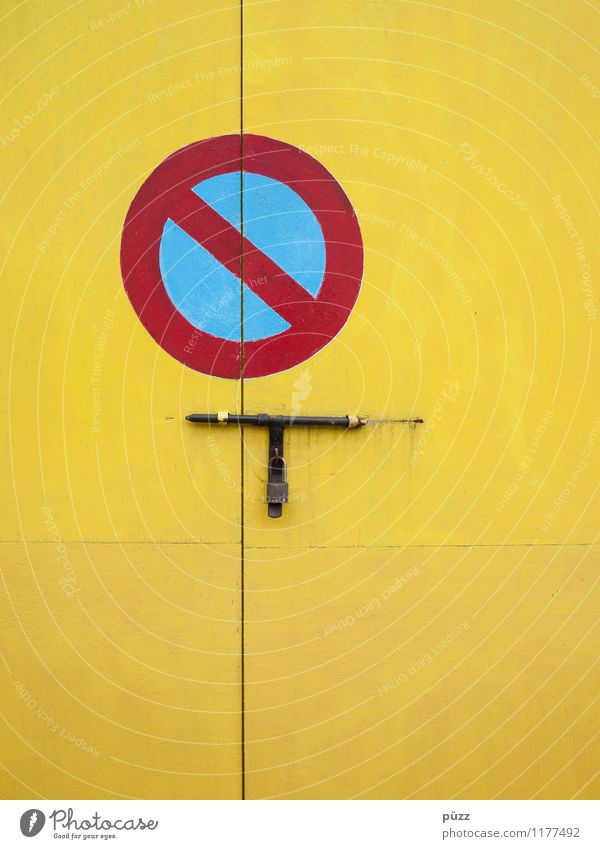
(277, 493)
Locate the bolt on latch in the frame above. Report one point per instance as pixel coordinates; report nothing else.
(277, 485)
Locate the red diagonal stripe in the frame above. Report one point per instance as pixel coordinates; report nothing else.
(223, 241)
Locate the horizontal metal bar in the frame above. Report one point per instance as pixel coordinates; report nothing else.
(264, 420)
(203, 418)
(395, 421)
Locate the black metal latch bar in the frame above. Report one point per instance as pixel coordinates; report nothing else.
(277, 485)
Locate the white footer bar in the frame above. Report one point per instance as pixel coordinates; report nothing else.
(301, 824)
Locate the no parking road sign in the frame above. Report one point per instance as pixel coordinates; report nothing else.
(229, 244)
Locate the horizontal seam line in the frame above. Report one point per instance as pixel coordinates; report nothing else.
(57, 540)
(432, 545)
(400, 547)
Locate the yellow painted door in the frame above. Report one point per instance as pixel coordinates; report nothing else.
(120, 596)
(421, 622)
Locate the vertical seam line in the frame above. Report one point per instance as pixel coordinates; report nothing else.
(242, 516)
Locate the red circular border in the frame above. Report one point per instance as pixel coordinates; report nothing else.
(140, 244)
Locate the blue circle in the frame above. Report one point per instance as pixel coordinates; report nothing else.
(277, 221)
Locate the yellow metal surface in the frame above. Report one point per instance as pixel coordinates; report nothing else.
(420, 622)
(121, 670)
(465, 135)
(472, 313)
(102, 475)
(442, 672)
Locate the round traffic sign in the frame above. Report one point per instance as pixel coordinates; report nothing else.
(241, 255)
